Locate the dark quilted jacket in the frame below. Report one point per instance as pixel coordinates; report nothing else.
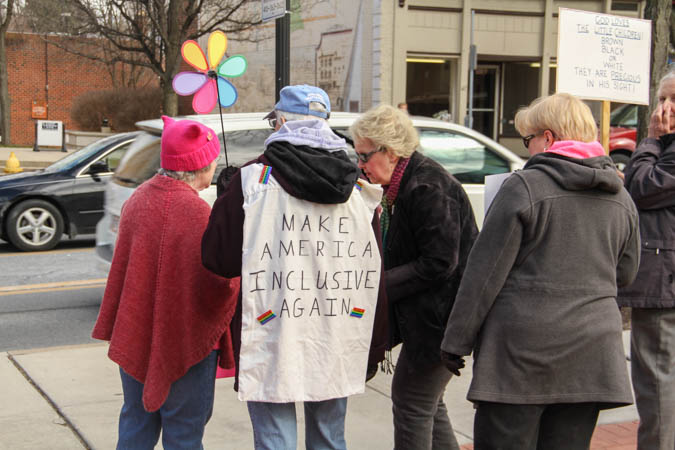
(430, 235)
(650, 179)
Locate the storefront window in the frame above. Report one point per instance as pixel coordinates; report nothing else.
(428, 86)
(521, 86)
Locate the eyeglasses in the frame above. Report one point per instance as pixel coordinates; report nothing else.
(527, 139)
(365, 157)
(273, 123)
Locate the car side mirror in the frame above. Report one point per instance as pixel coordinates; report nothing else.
(98, 167)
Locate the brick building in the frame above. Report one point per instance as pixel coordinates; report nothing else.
(44, 74)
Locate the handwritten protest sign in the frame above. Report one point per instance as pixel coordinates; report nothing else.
(310, 279)
(603, 57)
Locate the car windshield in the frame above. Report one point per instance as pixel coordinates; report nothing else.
(624, 116)
(464, 157)
(77, 157)
(242, 147)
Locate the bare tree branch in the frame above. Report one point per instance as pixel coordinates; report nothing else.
(9, 9)
(141, 33)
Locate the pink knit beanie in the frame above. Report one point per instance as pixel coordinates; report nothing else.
(187, 145)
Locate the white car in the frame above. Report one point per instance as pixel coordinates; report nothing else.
(466, 154)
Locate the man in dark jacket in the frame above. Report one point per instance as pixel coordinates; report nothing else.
(650, 179)
(300, 228)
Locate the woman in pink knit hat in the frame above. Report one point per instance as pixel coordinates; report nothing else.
(162, 311)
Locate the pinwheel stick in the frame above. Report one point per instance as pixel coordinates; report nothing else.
(212, 74)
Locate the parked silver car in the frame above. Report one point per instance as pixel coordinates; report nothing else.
(465, 153)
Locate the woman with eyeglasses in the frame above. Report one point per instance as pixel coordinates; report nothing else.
(537, 303)
(428, 228)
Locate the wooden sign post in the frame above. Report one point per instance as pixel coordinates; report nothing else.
(604, 125)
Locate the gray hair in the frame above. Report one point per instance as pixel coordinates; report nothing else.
(184, 176)
(670, 74)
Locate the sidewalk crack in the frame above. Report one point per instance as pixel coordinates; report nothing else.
(51, 403)
(373, 388)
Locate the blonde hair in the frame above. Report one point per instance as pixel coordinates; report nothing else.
(387, 126)
(567, 117)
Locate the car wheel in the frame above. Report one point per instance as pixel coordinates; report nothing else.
(34, 225)
(620, 160)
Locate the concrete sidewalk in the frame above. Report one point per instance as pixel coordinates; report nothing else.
(70, 397)
(29, 159)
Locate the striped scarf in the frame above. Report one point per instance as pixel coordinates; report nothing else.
(389, 197)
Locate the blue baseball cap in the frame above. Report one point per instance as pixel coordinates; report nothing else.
(297, 99)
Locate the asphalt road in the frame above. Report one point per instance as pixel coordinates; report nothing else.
(49, 298)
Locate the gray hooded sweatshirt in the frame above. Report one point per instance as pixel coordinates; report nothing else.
(537, 303)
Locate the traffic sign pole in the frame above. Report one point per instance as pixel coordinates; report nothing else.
(283, 50)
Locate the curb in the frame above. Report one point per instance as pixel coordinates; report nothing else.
(30, 160)
(56, 348)
(26, 164)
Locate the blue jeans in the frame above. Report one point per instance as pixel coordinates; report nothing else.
(275, 426)
(182, 418)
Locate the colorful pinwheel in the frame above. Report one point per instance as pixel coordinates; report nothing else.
(209, 85)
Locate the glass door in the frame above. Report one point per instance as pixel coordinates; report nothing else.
(485, 96)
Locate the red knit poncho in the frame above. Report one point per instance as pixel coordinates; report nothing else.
(162, 311)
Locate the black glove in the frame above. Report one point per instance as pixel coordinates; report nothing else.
(371, 372)
(452, 362)
(224, 178)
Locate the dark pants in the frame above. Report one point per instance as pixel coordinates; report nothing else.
(563, 426)
(653, 373)
(420, 417)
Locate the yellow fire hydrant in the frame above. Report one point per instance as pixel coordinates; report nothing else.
(12, 165)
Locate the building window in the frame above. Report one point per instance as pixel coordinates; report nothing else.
(625, 6)
(428, 86)
(521, 82)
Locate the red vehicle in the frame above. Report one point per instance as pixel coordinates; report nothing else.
(622, 134)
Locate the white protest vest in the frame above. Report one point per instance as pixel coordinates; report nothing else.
(309, 283)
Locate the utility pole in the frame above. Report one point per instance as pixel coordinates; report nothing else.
(468, 119)
(283, 50)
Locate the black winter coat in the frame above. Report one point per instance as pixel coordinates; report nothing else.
(431, 232)
(650, 179)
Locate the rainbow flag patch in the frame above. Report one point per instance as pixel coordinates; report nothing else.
(265, 175)
(358, 185)
(266, 317)
(357, 312)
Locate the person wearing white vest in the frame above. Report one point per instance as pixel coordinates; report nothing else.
(300, 228)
